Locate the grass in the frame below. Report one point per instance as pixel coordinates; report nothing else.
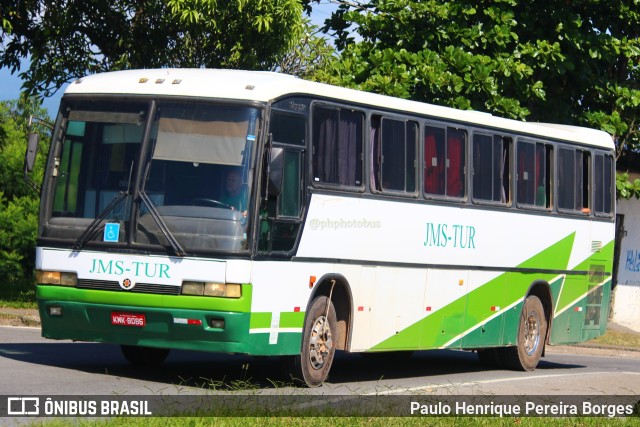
(18, 295)
(347, 421)
(618, 339)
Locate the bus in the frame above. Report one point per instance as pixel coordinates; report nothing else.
(261, 214)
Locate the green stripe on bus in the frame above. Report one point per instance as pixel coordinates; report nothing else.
(260, 320)
(64, 293)
(290, 319)
(600, 260)
(441, 327)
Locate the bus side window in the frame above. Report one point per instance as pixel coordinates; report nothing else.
(444, 171)
(456, 162)
(434, 161)
(533, 174)
(337, 146)
(398, 161)
(289, 198)
(491, 168)
(573, 180)
(603, 185)
(376, 155)
(280, 215)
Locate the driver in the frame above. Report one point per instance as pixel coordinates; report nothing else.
(235, 193)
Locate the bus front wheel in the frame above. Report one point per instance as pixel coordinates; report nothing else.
(144, 356)
(532, 331)
(318, 343)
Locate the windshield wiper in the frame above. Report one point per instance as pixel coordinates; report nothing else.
(88, 232)
(175, 245)
(84, 237)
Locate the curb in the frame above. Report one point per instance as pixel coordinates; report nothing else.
(19, 317)
(603, 347)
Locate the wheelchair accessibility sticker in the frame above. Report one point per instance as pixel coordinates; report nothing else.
(111, 232)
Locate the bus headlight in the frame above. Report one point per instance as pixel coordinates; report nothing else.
(56, 278)
(192, 288)
(228, 290)
(210, 289)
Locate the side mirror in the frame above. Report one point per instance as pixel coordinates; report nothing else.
(32, 150)
(276, 168)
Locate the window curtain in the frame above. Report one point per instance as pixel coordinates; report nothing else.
(502, 180)
(337, 146)
(434, 159)
(374, 143)
(347, 148)
(327, 140)
(456, 159)
(541, 181)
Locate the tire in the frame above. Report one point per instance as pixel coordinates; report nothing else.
(313, 363)
(144, 356)
(532, 332)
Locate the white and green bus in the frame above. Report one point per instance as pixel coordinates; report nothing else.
(262, 214)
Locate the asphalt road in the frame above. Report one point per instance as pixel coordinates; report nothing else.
(32, 365)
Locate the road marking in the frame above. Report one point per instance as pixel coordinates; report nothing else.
(472, 383)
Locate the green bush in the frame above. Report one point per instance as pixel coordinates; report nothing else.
(18, 201)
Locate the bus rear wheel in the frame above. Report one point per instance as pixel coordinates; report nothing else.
(144, 356)
(318, 343)
(532, 331)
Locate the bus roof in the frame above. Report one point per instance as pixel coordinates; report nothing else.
(267, 86)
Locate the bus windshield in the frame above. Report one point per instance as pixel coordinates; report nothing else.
(192, 177)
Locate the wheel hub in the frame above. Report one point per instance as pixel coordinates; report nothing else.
(531, 333)
(320, 343)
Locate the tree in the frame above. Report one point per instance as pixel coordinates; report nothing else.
(18, 201)
(312, 52)
(572, 62)
(67, 39)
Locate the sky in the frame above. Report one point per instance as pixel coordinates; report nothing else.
(10, 83)
(10, 89)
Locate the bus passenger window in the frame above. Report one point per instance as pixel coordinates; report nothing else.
(376, 155)
(444, 172)
(434, 161)
(573, 180)
(604, 189)
(491, 168)
(533, 178)
(398, 160)
(337, 146)
(586, 180)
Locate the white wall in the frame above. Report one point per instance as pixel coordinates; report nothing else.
(626, 309)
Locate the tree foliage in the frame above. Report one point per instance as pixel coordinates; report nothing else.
(572, 62)
(67, 39)
(540, 59)
(626, 188)
(312, 52)
(18, 201)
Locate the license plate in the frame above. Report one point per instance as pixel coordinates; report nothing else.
(128, 319)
